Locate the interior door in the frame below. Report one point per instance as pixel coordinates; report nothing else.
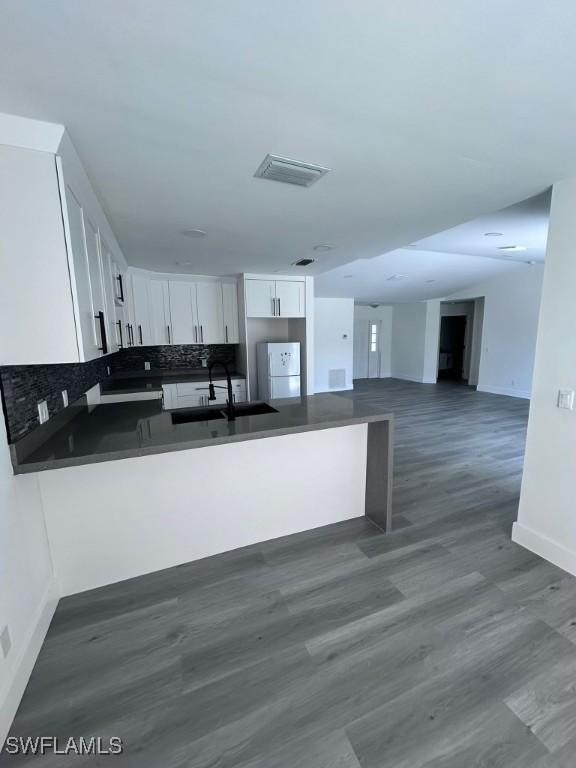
(290, 298)
(374, 327)
(210, 312)
(260, 298)
(230, 311)
(160, 331)
(182, 319)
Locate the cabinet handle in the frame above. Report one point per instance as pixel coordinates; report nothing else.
(120, 288)
(121, 341)
(140, 333)
(131, 332)
(202, 334)
(169, 338)
(100, 317)
(273, 307)
(279, 312)
(195, 334)
(226, 327)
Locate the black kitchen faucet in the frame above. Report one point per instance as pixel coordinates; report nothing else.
(230, 411)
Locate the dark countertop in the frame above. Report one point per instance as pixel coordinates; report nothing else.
(146, 381)
(125, 430)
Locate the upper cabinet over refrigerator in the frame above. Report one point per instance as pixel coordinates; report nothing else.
(275, 298)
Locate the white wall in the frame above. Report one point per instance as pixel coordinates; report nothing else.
(27, 589)
(415, 333)
(546, 520)
(511, 307)
(362, 316)
(333, 342)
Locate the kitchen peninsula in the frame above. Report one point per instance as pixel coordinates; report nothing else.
(128, 489)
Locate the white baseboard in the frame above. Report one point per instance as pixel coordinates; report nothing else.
(24, 663)
(508, 391)
(418, 380)
(541, 545)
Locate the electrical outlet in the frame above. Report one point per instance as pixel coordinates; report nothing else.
(107, 370)
(146, 366)
(5, 641)
(43, 414)
(65, 397)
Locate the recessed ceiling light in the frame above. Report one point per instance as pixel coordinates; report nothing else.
(194, 233)
(397, 277)
(493, 234)
(511, 247)
(322, 248)
(530, 262)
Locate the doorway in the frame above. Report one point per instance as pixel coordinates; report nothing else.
(452, 348)
(367, 348)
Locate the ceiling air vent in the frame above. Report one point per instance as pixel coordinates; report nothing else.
(288, 171)
(303, 262)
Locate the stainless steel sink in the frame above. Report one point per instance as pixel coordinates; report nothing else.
(196, 414)
(253, 409)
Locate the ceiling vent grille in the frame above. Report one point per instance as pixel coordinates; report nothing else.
(303, 262)
(288, 171)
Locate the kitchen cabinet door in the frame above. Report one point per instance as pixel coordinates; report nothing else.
(159, 303)
(183, 312)
(209, 312)
(108, 273)
(75, 217)
(290, 298)
(141, 310)
(230, 313)
(260, 298)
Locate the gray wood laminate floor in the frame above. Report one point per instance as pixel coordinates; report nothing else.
(442, 645)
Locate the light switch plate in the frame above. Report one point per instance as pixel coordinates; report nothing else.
(65, 398)
(566, 399)
(5, 641)
(146, 366)
(43, 414)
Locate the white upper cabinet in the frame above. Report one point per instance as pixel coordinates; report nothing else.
(290, 298)
(81, 275)
(182, 312)
(261, 298)
(275, 298)
(142, 331)
(230, 312)
(159, 309)
(210, 319)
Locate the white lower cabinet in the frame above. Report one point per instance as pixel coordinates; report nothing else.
(195, 394)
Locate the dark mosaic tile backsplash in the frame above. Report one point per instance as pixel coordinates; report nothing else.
(24, 385)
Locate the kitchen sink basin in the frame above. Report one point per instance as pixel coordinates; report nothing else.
(196, 414)
(253, 409)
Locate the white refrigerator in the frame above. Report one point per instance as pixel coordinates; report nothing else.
(278, 369)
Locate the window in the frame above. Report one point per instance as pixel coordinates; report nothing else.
(373, 337)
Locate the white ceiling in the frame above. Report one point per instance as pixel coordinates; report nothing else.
(428, 117)
(448, 261)
(428, 275)
(523, 224)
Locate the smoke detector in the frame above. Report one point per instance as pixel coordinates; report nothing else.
(276, 168)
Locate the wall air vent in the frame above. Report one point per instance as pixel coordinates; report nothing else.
(288, 171)
(303, 262)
